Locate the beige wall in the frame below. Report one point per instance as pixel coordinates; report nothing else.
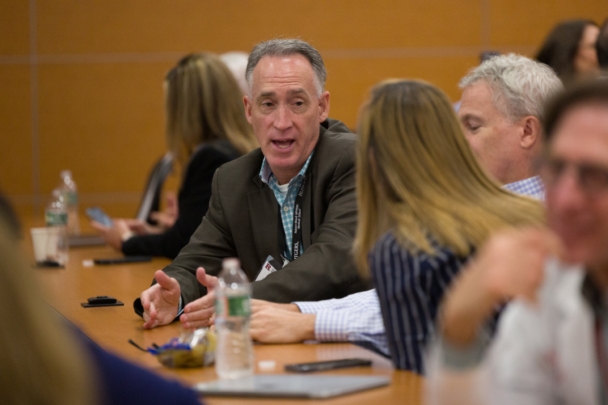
(80, 81)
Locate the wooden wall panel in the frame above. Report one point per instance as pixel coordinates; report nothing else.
(345, 101)
(529, 22)
(72, 26)
(15, 129)
(14, 27)
(103, 121)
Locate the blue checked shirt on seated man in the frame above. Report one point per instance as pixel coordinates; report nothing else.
(286, 197)
(490, 130)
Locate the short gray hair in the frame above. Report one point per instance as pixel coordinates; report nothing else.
(287, 47)
(520, 86)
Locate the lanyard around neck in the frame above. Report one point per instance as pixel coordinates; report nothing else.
(296, 239)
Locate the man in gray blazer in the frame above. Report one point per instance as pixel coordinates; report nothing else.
(291, 203)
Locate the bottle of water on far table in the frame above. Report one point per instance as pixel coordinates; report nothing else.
(234, 353)
(56, 219)
(70, 193)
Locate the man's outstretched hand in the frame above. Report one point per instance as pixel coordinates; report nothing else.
(160, 302)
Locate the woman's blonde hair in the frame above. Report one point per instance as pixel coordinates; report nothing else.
(203, 103)
(40, 362)
(418, 177)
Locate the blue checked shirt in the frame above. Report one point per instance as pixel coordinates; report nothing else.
(531, 187)
(355, 318)
(286, 202)
(358, 317)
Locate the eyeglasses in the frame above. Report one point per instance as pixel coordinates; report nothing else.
(591, 179)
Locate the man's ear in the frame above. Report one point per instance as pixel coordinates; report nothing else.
(248, 104)
(531, 133)
(323, 106)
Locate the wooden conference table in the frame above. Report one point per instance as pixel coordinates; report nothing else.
(111, 327)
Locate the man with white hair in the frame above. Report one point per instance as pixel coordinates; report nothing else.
(501, 109)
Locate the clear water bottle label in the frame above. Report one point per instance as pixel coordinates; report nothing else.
(239, 305)
(55, 218)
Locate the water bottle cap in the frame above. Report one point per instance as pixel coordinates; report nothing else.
(65, 173)
(231, 262)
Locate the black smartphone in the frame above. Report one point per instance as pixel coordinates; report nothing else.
(122, 260)
(327, 365)
(97, 214)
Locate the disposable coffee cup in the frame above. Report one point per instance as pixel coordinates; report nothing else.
(50, 245)
(39, 238)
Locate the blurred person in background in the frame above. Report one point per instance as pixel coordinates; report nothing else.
(569, 50)
(552, 341)
(205, 128)
(237, 63)
(602, 47)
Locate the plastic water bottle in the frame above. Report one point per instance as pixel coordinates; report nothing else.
(70, 193)
(234, 354)
(56, 218)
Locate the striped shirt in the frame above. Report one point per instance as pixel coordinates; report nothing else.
(410, 288)
(355, 318)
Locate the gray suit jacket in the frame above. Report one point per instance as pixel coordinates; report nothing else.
(242, 222)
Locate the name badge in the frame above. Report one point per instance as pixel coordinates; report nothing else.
(268, 268)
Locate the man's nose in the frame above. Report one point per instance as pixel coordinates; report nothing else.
(282, 119)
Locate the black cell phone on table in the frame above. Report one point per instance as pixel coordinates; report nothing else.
(327, 365)
(97, 214)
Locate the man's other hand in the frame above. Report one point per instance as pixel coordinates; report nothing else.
(200, 313)
(270, 324)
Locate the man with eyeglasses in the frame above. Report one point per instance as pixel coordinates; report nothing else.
(552, 340)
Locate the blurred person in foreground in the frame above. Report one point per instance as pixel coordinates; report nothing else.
(289, 205)
(570, 51)
(46, 360)
(206, 127)
(552, 341)
(502, 108)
